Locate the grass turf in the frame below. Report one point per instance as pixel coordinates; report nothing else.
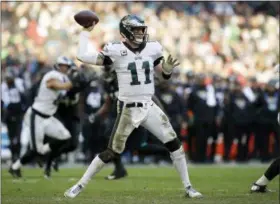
(144, 185)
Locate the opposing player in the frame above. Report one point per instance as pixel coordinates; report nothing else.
(134, 61)
(39, 120)
(260, 186)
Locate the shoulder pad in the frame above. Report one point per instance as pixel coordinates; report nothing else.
(111, 47)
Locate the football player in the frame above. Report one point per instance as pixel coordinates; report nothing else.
(134, 60)
(138, 138)
(38, 119)
(67, 113)
(260, 186)
(14, 102)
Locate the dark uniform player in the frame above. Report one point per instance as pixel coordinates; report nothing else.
(202, 102)
(260, 186)
(172, 103)
(269, 104)
(13, 104)
(93, 128)
(240, 111)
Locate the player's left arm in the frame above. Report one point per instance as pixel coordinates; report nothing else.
(166, 66)
(58, 85)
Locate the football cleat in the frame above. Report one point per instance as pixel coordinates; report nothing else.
(55, 166)
(15, 173)
(192, 193)
(73, 191)
(117, 175)
(255, 188)
(47, 173)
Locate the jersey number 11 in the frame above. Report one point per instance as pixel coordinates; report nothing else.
(134, 75)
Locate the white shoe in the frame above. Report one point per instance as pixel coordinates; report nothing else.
(73, 191)
(192, 193)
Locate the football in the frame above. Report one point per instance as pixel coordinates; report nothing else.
(86, 18)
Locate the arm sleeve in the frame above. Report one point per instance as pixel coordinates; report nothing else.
(83, 54)
(158, 56)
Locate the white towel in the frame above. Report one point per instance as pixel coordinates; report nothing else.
(249, 94)
(211, 99)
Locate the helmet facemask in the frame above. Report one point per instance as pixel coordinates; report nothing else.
(139, 34)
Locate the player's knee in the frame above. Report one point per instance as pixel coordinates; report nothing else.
(173, 145)
(108, 155)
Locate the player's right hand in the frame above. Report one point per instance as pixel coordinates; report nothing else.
(90, 28)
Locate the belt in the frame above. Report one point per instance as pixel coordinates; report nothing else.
(131, 105)
(40, 114)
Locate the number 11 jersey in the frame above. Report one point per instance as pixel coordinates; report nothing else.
(134, 68)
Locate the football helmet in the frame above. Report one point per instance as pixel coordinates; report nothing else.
(62, 60)
(130, 26)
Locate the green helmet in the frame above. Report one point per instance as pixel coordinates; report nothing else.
(128, 24)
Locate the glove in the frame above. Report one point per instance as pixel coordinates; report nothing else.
(90, 28)
(169, 65)
(278, 118)
(78, 79)
(74, 76)
(91, 118)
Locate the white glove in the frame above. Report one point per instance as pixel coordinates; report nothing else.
(169, 65)
(278, 118)
(89, 28)
(91, 118)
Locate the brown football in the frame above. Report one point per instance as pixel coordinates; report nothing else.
(86, 18)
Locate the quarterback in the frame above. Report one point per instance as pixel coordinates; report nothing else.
(134, 60)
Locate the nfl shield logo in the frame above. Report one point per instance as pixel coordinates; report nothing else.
(123, 52)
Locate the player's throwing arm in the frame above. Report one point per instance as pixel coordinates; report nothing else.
(87, 19)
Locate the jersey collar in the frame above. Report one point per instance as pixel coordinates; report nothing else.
(135, 50)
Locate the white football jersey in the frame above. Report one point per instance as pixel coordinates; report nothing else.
(47, 99)
(135, 69)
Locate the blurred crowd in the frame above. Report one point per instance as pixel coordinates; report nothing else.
(217, 37)
(224, 88)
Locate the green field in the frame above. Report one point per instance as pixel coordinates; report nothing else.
(145, 185)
